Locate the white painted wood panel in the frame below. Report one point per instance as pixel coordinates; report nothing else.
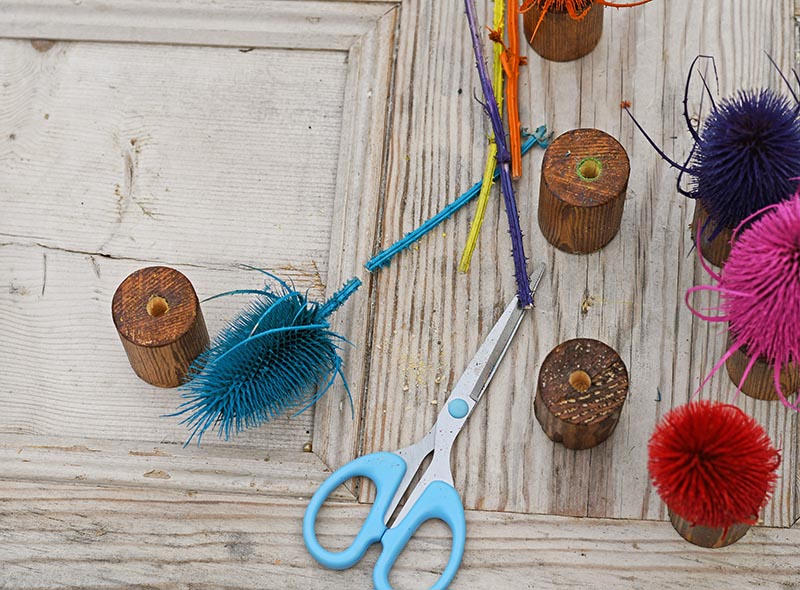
(119, 155)
(233, 23)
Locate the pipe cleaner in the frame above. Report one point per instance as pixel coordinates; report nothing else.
(712, 464)
(503, 159)
(383, 258)
(760, 291)
(577, 9)
(491, 151)
(278, 354)
(746, 155)
(512, 60)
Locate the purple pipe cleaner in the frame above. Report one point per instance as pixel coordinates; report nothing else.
(503, 159)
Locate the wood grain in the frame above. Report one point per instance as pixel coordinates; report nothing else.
(178, 164)
(430, 319)
(716, 251)
(395, 135)
(561, 37)
(86, 389)
(78, 536)
(582, 190)
(760, 382)
(242, 24)
(581, 388)
(710, 537)
(59, 536)
(159, 321)
(230, 468)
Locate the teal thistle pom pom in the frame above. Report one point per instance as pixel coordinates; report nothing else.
(278, 355)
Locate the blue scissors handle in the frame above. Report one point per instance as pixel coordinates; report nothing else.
(386, 470)
(439, 500)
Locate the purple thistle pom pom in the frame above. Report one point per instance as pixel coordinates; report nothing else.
(745, 157)
(760, 288)
(749, 150)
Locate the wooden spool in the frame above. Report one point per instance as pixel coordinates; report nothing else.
(582, 386)
(560, 37)
(716, 251)
(709, 537)
(760, 382)
(158, 318)
(582, 190)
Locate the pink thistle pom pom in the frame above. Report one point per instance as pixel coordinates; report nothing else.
(760, 288)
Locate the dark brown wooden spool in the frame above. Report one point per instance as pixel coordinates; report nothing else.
(716, 251)
(562, 38)
(760, 382)
(709, 537)
(158, 318)
(582, 387)
(582, 190)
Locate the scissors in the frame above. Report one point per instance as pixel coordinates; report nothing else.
(434, 496)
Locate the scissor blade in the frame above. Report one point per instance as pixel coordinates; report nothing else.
(482, 367)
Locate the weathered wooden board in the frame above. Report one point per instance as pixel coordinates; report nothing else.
(231, 468)
(629, 295)
(61, 536)
(95, 490)
(118, 155)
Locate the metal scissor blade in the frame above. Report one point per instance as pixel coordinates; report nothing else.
(481, 369)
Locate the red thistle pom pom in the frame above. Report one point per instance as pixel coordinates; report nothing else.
(712, 464)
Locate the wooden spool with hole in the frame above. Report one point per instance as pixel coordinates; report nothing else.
(760, 382)
(582, 190)
(158, 318)
(582, 387)
(716, 251)
(560, 37)
(709, 537)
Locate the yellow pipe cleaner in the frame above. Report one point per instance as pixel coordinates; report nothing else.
(491, 152)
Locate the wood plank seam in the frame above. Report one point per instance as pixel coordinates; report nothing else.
(372, 283)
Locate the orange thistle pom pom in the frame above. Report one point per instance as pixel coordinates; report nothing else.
(576, 9)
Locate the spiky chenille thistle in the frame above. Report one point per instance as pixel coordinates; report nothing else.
(744, 158)
(577, 9)
(760, 292)
(712, 464)
(278, 355)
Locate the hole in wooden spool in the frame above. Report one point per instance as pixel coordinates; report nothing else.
(589, 168)
(580, 381)
(157, 306)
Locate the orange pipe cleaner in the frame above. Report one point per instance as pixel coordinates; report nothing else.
(511, 61)
(576, 9)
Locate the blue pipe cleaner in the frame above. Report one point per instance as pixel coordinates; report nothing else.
(277, 354)
(381, 259)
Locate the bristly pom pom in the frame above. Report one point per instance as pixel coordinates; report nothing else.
(279, 354)
(712, 464)
(575, 8)
(749, 151)
(760, 288)
(745, 157)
